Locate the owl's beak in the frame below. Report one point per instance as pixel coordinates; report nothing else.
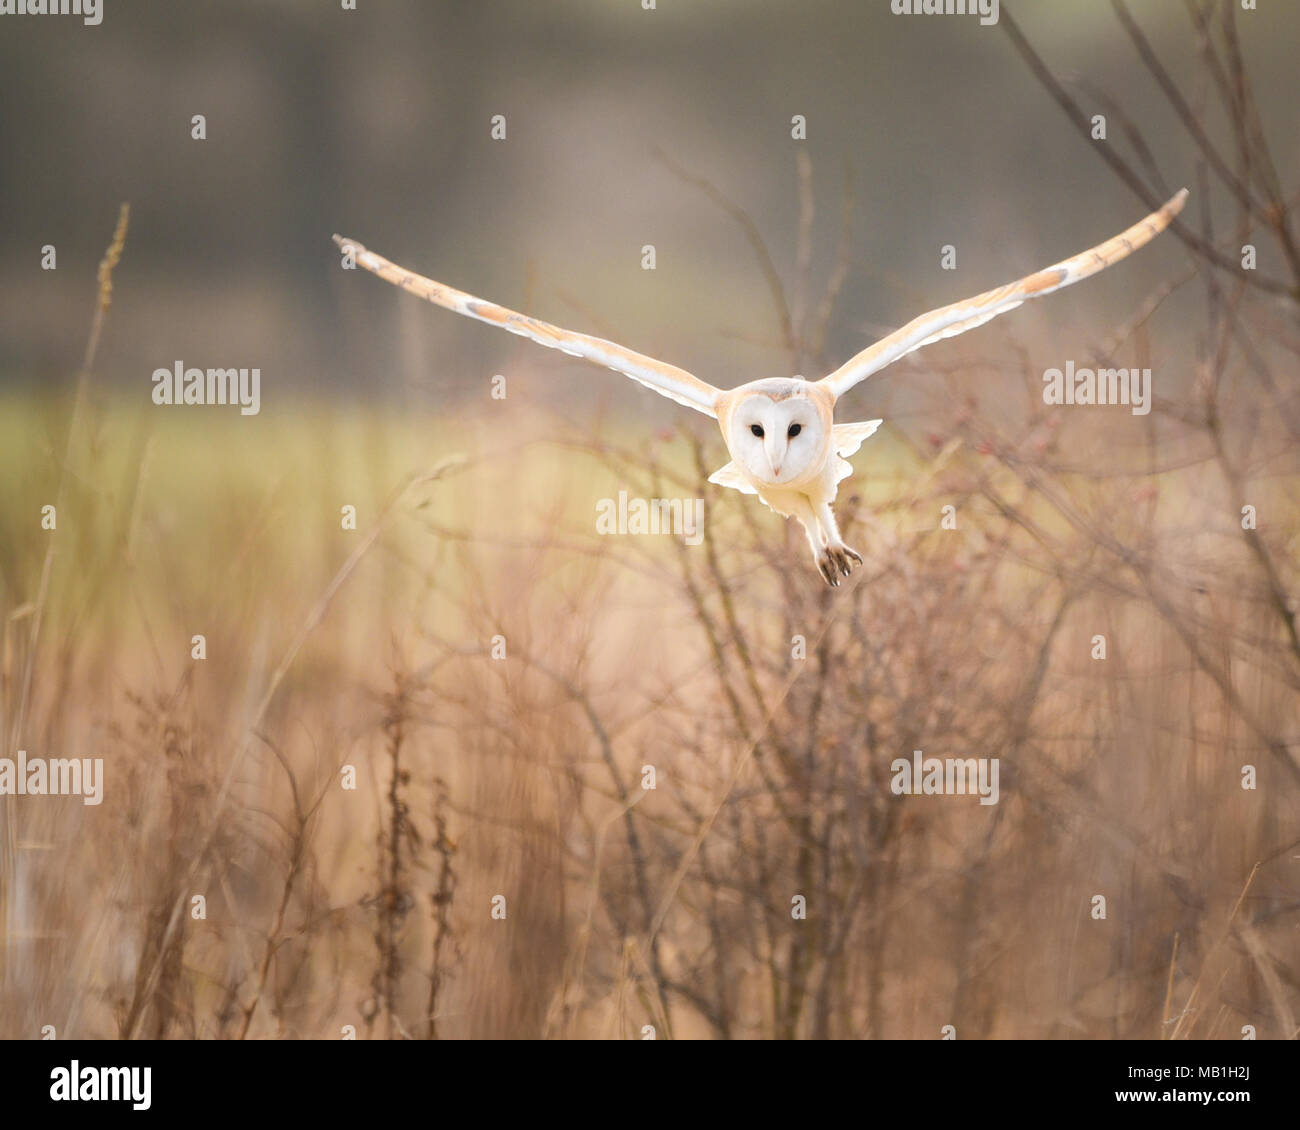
(775, 456)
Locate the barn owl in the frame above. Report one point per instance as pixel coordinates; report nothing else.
(779, 431)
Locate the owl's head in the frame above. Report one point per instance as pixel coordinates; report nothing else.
(778, 437)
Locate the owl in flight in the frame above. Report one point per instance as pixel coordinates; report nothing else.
(779, 431)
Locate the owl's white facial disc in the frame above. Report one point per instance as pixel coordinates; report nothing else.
(777, 442)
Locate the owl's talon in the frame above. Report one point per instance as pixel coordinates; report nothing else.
(826, 566)
(837, 560)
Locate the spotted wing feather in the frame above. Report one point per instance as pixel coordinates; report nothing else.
(667, 380)
(948, 321)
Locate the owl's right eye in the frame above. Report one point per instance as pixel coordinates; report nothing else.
(757, 429)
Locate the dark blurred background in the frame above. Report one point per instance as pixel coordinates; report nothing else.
(375, 123)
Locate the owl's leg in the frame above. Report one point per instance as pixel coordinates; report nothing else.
(839, 555)
(802, 509)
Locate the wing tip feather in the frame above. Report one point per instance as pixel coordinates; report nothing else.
(1173, 205)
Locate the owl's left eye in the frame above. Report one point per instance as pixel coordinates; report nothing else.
(795, 429)
(757, 429)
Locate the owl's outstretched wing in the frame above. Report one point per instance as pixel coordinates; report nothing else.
(948, 321)
(668, 380)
